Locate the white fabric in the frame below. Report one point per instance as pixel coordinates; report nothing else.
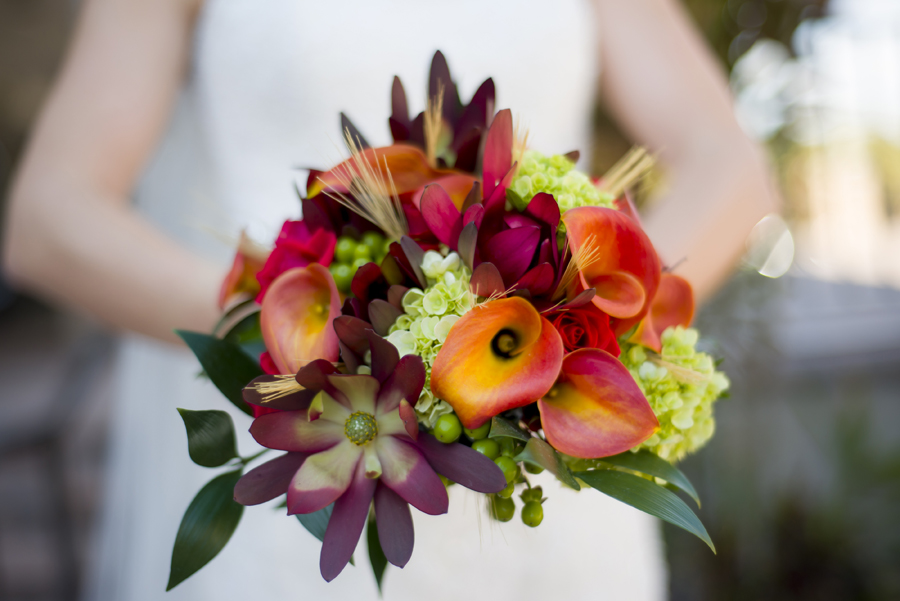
(268, 81)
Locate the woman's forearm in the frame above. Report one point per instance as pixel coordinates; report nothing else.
(71, 233)
(665, 88)
(99, 256)
(715, 197)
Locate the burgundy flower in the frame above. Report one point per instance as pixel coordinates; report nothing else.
(585, 327)
(296, 246)
(357, 441)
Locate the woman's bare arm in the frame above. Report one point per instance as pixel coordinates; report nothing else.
(71, 233)
(665, 88)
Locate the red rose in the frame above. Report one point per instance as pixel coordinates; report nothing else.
(295, 247)
(585, 327)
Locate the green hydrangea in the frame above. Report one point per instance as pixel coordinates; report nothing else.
(556, 175)
(429, 315)
(681, 385)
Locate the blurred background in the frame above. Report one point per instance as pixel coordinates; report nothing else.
(801, 485)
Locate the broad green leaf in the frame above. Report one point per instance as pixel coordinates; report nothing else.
(206, 527)
(649, 497)
(226, 365)
(235, 313)
(501, 427)
(654, 465)
(376, 554)
(317, 521)
(247, 335)
(210, 437)
(539, 453)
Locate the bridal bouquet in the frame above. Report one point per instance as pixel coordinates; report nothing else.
(455, 309)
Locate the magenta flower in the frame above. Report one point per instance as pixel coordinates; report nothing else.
(296, 246)
(358, 440)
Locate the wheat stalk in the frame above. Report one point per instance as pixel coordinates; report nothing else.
(628, 170)
(371, 192)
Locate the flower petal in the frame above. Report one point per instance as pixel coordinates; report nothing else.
(395, 526)
(440, 213)
(596, 408)
(296, 317)
(352, 332)
(384, 356)
(478, 378)
(672, 306)
(617, 292)
(512, 251)
(405, 382)
(486, 281)
(361, 391)
(382, 315)
(462, 464)
(408, 166)
(538, 280)
(269, 480)
(619, 259)
(346, 524)
(409, 475)
(457, 186)
(323, 478)
(292, 431)
(497, 151)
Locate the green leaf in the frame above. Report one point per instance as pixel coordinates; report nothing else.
(376, 554)
(206, 527)
(539, 453)
(247, 335)
(654, 465)
(226, 365)
(210, 437)
(649, 497)
(317, 521)
(501, 427)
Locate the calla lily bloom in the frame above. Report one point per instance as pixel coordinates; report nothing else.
(296, 317)
(241, 279)
(615, 258)
(595, 409)
(498, 356)
(408, 166)
(504, 355)
(672, 306)
(354, 444)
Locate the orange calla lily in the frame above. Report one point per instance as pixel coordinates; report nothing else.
(498, 356)
(296, 318)
(615, 257)
(241, 279)
(673, 305)
(408, 166)
(596, 408)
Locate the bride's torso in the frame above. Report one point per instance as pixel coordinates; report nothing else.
(267, 81)
(269, 78)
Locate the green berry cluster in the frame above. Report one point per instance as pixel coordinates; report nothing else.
(503, 451)
(681, 385)
(555, 175)
(350, 254)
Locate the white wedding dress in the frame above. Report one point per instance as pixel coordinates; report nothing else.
(267, 81)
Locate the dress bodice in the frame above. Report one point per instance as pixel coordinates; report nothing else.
(269, 79)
